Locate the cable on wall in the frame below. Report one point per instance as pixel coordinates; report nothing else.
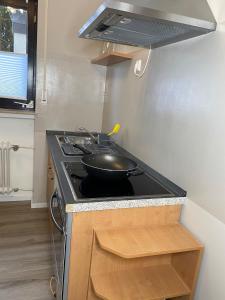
(137, 72)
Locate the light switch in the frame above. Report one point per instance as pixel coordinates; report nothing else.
(44, 97)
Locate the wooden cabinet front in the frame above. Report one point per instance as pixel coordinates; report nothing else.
(141, 253)
(85, 225)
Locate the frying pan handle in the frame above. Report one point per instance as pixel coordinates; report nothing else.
(135, 173)
(82, 148)
(77, 176)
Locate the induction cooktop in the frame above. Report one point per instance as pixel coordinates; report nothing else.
(86, 188)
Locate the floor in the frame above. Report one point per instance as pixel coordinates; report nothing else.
(25, 256)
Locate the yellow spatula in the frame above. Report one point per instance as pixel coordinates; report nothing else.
(115, 130)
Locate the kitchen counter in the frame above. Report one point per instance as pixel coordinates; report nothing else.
(108, 244)
(71, 203)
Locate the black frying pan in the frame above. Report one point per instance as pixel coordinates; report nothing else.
(109, 166)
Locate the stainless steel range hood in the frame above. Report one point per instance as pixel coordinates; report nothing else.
(149, 23)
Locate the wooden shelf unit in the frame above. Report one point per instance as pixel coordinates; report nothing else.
(147, 241)
(154, 263)
(155, 282)
(111, 58)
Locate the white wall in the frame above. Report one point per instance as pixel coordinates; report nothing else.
(75, 87)
(19, 130)
(173, 119)
(218, 9)
(211, 232)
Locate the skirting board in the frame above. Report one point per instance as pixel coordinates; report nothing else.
(39, 205)
(15, 198)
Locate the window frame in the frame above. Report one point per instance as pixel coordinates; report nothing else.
(32, 12)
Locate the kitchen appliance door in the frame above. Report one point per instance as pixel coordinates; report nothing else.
(58, 241)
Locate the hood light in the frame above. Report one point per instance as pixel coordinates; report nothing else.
(125, 21)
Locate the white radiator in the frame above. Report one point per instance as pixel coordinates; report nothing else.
(5, 184)
(5, 162)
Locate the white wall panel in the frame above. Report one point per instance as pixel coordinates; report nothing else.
(173, 118)
(75, 88)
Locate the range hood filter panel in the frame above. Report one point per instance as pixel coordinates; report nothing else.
(141, 26)
(149, 34)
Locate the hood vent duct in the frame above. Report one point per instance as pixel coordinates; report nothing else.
(149, 23)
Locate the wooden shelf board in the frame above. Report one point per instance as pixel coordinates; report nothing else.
(152, 283)
(111, 58)
(133, 243)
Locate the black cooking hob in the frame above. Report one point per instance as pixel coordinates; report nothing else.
(75, 150)
(86, 187)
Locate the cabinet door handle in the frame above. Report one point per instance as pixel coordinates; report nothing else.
(59, 227)
(50, 285)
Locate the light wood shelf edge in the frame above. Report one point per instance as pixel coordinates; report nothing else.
(145, 242)
(171, 285)
(111, 58)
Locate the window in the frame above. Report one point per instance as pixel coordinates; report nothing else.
(18, 39)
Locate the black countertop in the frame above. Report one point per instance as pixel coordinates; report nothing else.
(59, 158)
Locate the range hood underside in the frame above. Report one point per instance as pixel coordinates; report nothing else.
(143, 27)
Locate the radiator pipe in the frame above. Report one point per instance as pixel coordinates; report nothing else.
(3, 168)
(17, 147)
(8, 149)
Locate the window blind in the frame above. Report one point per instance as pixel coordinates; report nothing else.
(13, 75)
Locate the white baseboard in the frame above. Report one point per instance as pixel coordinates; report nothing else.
(15, 197)
(39, 205)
